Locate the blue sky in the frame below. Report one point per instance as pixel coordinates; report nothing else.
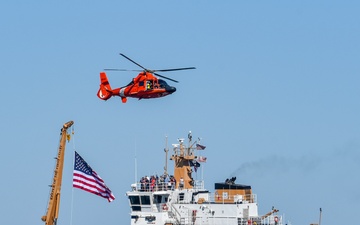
(274, 98)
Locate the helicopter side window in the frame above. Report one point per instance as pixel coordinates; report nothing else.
(149, 85)
(141, 83)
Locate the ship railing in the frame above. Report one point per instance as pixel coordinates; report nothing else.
(273, 220)
(237, 199)
(198, 185)
(190, 219)
(176, 213)
(164, 186)
(148, 187)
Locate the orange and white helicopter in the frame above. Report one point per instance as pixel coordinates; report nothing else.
(145, 85)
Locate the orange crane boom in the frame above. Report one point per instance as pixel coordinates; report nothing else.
(54, 202)
(270, 213)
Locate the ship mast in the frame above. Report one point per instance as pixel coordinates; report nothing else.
(182, 167)
(54, 202)
(166, 150)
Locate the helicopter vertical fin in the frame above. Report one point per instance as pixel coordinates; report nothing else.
(105, 91)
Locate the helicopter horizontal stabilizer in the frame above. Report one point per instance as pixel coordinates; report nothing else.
(105, 91)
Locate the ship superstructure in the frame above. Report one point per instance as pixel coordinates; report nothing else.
(178, 199)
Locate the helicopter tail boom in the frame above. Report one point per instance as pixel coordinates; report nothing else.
(105, 91)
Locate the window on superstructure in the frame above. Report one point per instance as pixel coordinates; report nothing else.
(145, 200)
(160, 199)
(157, 199)
(135, 203)
(134, 200)
(181, 196)
(136, 208)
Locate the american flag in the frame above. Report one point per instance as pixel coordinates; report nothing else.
(202, 159)
(200, 147)
(87, 179)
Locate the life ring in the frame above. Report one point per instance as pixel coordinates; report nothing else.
(164, 207)
(276, 219)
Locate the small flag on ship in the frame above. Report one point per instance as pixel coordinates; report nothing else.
(200, 147)
(202, 159)
(195, 165)
(87, 179)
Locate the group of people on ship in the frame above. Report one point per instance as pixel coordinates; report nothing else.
(156, 183)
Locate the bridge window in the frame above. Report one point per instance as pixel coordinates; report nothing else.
(145, 200)
(136, 208)
(160, 199)
(134, 200)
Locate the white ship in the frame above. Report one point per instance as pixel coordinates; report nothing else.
(178, 199)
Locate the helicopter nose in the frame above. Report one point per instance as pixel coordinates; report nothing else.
(170, 89)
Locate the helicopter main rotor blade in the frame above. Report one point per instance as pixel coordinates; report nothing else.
(166, 77)
(166, 70)
(133, 61)
(152, 71)
(121, 70)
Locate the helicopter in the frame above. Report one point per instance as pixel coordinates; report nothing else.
(145, 86)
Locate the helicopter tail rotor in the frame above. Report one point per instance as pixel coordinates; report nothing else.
(105, 91)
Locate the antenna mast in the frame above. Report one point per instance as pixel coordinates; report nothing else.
(166, 150)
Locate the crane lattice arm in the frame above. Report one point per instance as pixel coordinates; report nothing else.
(54, 202)
(270, 213)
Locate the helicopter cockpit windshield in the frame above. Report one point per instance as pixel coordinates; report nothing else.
(169, 89)
(162, 83)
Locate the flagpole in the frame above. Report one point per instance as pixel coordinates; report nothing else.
(72, 189)
(202, 167)
(202, 172)
(135, 165)
(72, 195)
(166, 155)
